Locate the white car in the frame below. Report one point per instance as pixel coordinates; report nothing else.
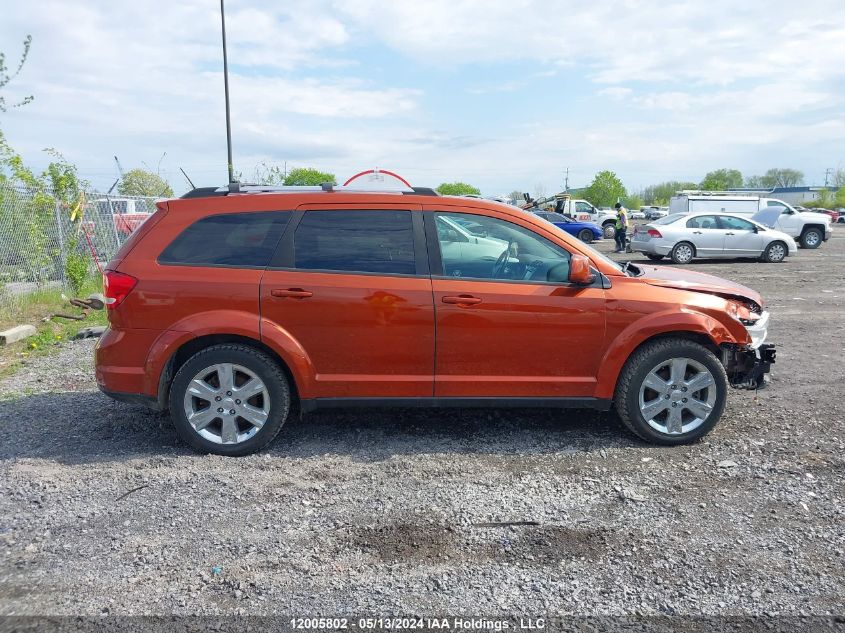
(637, 215)
(686, 236)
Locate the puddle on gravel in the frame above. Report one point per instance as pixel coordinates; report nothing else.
(434, 543)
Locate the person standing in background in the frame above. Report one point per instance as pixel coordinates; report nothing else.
(621, 227)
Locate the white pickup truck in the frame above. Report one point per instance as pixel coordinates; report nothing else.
(576, 210)
(808, 229)
(583, 210)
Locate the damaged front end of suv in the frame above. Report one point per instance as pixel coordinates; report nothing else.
(748, 365)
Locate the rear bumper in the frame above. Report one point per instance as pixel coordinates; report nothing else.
(140, 399)
(651, 247)
(121, 361)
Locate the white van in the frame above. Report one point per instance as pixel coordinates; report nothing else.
(808, 229)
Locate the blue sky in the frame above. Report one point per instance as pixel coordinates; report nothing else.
(504, 95)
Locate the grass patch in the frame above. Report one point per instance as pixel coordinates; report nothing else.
(31, 309)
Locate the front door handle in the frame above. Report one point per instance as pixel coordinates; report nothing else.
(466, 300)
(296, 293)
(696, 232)
(728, 233)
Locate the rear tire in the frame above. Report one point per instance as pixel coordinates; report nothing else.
(609, 230)
(585, 235)
(246, 424)
(653, 364)
(682, 253)
(775, 253)
(811, 238)
(654, 257)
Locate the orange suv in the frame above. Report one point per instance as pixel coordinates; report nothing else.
(233, 307)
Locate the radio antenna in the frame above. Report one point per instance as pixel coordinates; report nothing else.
(226, 89)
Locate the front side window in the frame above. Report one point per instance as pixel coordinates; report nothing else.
(355, 241)
(509, 252)
(583, 207)
(735, 224)
(703, 222)
(230, 239)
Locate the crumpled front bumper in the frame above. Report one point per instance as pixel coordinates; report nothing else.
(746, 366)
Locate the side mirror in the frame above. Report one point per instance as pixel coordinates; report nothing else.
(579, 271)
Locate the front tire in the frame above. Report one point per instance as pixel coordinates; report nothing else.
(585, 235)
(811, 238)
(682, 253)
(229, 400)
(671, 392)
(775, 253)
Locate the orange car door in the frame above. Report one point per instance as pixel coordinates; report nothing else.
(351, 286)
(504, 329)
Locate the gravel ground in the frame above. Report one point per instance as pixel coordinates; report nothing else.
(102, 510)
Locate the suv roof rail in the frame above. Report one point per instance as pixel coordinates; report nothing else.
(236, 187)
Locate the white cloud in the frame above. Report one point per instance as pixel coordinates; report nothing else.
(694, 86)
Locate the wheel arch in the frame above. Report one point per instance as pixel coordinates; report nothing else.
(193, 345)
(697, 327)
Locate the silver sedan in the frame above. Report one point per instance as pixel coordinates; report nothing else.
(685, 236)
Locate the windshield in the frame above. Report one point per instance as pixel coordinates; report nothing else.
(670, 218)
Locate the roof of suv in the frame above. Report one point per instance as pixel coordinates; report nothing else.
(326, 187)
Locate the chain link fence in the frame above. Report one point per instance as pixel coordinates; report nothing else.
(47, 243)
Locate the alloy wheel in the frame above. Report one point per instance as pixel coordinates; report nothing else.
(777, 252)
(683, 253)
(677, 396)
(226, 403)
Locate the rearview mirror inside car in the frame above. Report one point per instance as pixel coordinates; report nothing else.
(579, 271)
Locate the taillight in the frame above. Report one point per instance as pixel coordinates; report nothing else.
(116, 286)
(654, 233)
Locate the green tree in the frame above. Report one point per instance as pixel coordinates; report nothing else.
(308, 176)
(839, 198)
(777, 178)
(457, 189)
(633, 201)
(722, 179)
(6, 77)
(660, 193)
(140, 182)
(605, 190)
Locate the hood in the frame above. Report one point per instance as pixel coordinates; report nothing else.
(816, 216)
(669, 277)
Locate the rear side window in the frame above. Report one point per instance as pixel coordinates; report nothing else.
(703, 222)
(232, 239)
(356, 241)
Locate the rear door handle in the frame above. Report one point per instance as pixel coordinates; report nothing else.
(466, 300)
(296, 293)
(696, 232)
(728, 233)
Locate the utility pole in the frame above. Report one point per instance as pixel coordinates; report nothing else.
(827, 173)
(566, 186)
(226, 89)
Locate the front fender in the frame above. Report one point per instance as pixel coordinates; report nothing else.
(686, 321)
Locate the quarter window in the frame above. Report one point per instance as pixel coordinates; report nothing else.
(703, 222)
(231, 239)
(356, 241)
